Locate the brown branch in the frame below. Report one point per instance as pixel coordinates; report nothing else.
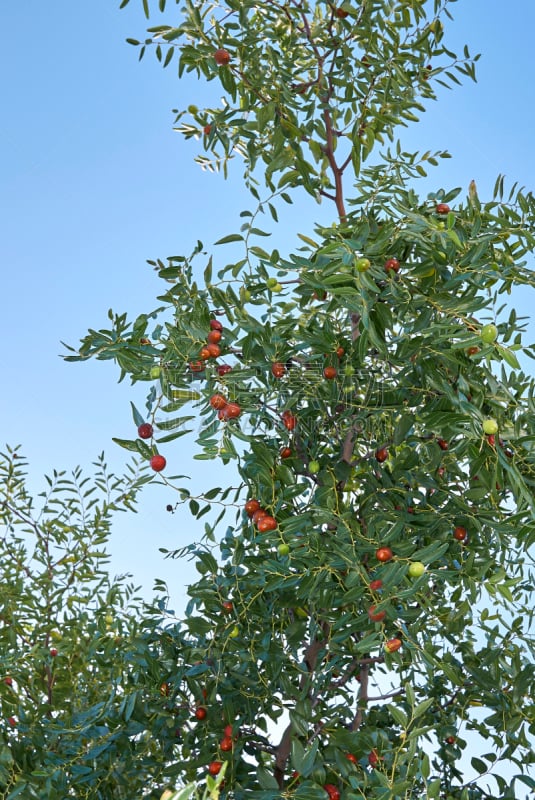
(362, 699)
(313, 649)
(397, 693)
(355, 330)
(347, 447)
(348, 674)
(372, 660)
(50, 680)
(330, 132)
(349, 439)
(283, 748)
(250, 86)
(346, 163)
(337, 173)
(283, 752)
(308, 33)
(328, 195)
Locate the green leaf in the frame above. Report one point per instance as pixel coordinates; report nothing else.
(128, 444)
(193, 507)
(20, 787)
(308, 791)
(433, 789)
(422, 707)
(431, 553)
(403, 426)
(185, 395)
(208, 272)
(309, 760)
(176, 422)
(184, 794)
(297, 755)
(425, 767)
(169, 56)
(143, 449)
(233, 237)
(129, 706)
(478, 765)
(266, 779)
(399, 715)
(138, 419)
(509, 357)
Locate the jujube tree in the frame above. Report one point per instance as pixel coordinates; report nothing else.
(363, 601)
(81, 697)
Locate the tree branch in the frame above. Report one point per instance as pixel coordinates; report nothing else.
(337, 173)
(284, 746)
(362, 699)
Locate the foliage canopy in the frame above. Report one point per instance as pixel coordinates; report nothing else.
(367, 389)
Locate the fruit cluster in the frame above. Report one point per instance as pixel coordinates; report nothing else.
(212, 349)
(226, 744)
(260, 517)
(157, 461)
(225, 409)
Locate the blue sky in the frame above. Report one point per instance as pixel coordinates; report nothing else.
(94, 181)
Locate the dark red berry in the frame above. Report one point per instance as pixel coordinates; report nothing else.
(145, 431)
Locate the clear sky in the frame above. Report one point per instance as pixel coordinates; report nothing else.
(94, 181)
